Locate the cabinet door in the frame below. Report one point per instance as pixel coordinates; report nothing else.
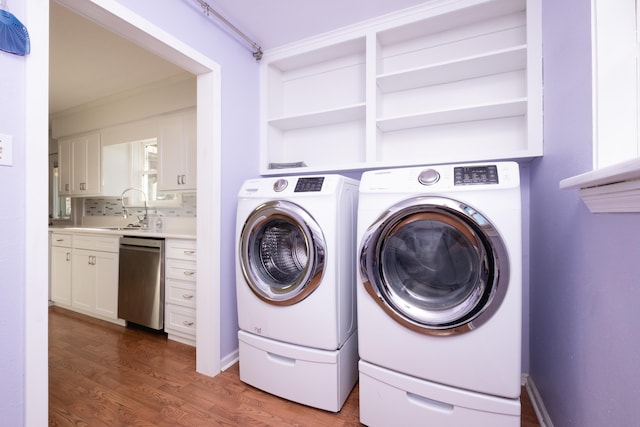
(170, 153)
(106, 284)
(177, 152)
(93, 169)
(189, 148)
(61, 275)
(86, 165)
(65, 164)
(83, 286)
(95, 282)
(80, 165)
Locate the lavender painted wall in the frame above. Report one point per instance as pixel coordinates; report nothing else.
(12, 231)
(585, 274)
(240, 125)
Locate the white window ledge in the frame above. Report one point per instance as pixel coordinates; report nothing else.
(612, 189)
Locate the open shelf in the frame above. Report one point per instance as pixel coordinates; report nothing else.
(444, 81)
(495, 62)
(515, 107)
(320, 118)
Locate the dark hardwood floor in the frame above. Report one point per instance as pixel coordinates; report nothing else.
(102, 374)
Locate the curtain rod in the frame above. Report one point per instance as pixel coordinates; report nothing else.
(257, 50)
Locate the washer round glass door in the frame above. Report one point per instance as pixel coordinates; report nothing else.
(435, 265)
(282, 253)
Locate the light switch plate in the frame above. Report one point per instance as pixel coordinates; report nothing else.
(6, 150)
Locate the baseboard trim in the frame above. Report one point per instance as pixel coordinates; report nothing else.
(538, 404)
(229, 360)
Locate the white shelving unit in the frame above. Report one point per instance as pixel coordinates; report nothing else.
(447, 81)
(315, 104)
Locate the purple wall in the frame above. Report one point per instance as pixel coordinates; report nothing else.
(12, 231)
(585, 268)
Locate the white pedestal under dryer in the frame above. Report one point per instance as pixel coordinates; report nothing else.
(440, 295)
(295, 282)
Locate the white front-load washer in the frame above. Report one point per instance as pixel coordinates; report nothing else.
(295, 284)
(440, 295)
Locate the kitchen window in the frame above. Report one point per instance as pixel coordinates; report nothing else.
(59, 206)
(149, 176)
(613, 184)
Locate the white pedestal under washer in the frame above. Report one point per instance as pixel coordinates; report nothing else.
(440, 294)
(295, 283)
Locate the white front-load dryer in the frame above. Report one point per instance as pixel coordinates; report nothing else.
(295, 284)
(439, 298)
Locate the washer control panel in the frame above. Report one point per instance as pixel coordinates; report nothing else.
(472, 175)
(306, 185)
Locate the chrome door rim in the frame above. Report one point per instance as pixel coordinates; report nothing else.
(310, 274)
(493, 276)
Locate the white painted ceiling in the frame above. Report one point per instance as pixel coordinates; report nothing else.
(272, 23)
(88, 63)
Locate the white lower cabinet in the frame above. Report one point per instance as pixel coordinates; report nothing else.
(60, 275)
(180, 290)
(94, 276)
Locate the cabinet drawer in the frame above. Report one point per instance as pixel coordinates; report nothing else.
(180, 319)
(181, 249)
(181, 270)
(96, 242)
(59, 239)
(180, 293)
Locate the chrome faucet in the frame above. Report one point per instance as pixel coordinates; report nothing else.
(144, 221)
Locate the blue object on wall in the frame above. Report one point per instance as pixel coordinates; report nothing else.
(14, 37)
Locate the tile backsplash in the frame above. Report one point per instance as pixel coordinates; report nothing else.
(112, 206)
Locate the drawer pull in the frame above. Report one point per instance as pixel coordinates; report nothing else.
(189, 252)
(187, 296)
(59, 240)
(187, 323)
(189, 273)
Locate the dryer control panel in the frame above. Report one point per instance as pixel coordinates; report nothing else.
(306, 185)
(471, 175)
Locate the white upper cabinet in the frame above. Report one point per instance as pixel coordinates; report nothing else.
(80, 165)
(177, 151)
(447, 81)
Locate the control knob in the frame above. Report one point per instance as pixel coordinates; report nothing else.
(428, 177)
(280, 185)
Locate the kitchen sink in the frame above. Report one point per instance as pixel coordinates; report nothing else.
(127, 228)
(124, 228)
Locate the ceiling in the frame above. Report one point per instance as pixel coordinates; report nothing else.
(88, 63)
(273, 23)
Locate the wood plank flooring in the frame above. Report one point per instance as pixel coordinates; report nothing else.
(101, 374)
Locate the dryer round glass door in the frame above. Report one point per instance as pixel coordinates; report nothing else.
(435, 265)
(282, 252)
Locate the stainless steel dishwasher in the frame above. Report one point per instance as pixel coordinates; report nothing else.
(141, 281)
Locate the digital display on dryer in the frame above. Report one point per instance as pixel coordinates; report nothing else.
(472, 175)
(306, 185)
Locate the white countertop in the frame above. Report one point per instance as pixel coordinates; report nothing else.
(124, 232)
